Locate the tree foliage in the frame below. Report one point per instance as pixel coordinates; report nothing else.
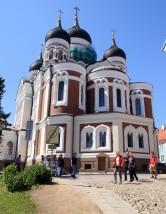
(2, 91)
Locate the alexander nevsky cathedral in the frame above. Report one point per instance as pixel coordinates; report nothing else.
(96, 108)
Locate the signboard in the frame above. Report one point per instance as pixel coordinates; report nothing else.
(52, 134)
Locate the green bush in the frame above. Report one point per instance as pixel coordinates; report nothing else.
(9, 174)
(31, 175)
(37, 174)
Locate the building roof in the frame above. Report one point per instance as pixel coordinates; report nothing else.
(162, 136)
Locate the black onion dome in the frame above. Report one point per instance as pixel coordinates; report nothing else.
(57, 32)
(76, 31)
(36, 65)
(114, 51)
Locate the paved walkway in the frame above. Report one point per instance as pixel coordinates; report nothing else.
(106, 200)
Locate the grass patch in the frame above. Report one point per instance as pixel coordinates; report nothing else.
(15, 202)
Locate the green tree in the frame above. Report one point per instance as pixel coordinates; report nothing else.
(3, 116)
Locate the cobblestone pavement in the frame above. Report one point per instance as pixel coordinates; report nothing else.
(147, 196)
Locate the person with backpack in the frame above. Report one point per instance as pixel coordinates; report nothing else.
(132, 167)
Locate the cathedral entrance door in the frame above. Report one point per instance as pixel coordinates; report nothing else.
(101, 163)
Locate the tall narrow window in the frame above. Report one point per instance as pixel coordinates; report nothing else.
(60, 55)
(82, 95)
(138, 106)
(101, 97)
(118, 96)
(141, 141)
(89, 140)
(102, 139)
(131, 107)
(51, 54)
(61, 91)
(130, 140)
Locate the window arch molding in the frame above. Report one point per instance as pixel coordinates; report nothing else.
(88, 129)
(61, 76)
(119, 85)
(128, 131)
(101, 83)
(142, 132)
(103, 129)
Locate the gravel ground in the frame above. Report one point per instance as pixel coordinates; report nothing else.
(147, 196)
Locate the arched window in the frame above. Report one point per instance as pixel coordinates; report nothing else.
(102, 139)
(131, 107)
(138, 106)
(130, 140)
(51, 54)
(9, 148)
(141, 141)
(60, 55)
(118, 96)
(61, 91)
(101, 97)
(89, 140)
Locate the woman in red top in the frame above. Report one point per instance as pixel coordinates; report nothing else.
(153, 165)
(118, 164)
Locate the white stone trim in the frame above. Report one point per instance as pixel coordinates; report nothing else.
(108, 73)
(82, 84)
(103, 128)
(141, 85)
(69, 66)
(78, 40)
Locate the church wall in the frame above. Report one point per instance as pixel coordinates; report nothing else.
(148, 107)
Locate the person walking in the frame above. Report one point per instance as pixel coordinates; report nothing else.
(153, 165)
(60, 166)
(18, 162)
(118, 164)
(132, 167)
(126, 165)
(74, 165)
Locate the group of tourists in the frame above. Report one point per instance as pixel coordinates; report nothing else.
(120, 164)
(128, 163)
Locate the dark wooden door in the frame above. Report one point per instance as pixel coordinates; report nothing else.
(101, 163)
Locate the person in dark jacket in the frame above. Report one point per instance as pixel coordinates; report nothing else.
(60, 166)
(126, 165)
(18, 163)
(74, 165)
(132, 167)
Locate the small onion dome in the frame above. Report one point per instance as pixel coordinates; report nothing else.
(78, 32)
(36, 65)
(86, 54)
(114, 51)
(57, 32)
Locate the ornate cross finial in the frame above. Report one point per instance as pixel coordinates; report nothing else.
(60, 14)
(113, 34)
(76, 16)
(76, 9)
(113, 38)
(59, 17)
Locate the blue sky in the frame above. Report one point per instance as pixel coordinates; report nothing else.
(140, 32)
